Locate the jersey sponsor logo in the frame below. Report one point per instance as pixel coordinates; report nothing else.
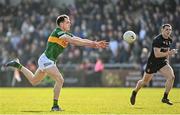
(46, 64)
(163, 49)
(166, 42)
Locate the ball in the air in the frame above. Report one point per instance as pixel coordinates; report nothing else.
(129, 36)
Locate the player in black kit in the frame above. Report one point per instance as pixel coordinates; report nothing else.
(158, 61)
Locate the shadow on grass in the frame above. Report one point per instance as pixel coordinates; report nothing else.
(105, 113)
(176, 102)
(35, 111)
(138, 107)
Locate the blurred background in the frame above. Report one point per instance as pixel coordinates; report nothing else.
(26, 24)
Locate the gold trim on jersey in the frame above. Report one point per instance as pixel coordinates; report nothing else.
(59, 41)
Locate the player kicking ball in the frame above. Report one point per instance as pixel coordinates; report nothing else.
(57, 42)
(158, 61)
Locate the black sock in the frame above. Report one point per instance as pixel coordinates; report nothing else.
(55, 102)
(165, 95)
(134, 92)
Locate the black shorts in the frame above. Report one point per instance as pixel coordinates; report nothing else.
(154, 66)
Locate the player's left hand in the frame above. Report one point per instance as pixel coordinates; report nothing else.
(173, 51)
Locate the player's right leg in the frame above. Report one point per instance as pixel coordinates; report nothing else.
(34, 79)
(145, 80)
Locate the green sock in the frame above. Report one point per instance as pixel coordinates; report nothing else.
(20, 66)
(55, 102)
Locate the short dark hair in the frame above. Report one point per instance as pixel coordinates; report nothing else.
(164, 25)
(61, 18)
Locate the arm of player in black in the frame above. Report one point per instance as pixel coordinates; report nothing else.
(159, 54)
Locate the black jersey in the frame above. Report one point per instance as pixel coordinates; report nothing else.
(154, 64)
(163, 44)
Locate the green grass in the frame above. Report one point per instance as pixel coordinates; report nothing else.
(87, 101)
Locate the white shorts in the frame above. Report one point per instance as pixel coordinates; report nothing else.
(44, 62)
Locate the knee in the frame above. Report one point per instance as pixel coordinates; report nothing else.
(171, 78)
(60, 81)
(144, 82)
(34, 82)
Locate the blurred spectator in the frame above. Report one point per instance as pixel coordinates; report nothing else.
(99, 67)
(87, 67)
(113, 45)
(144, 58)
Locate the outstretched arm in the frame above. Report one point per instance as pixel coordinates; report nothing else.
(85, 42)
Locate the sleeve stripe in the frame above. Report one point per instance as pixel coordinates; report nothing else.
(61, 34)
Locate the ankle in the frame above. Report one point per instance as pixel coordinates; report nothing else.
(134, 91)
(20, 67)
(165, 95)
(55, 102)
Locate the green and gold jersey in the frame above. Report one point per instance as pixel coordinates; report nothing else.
(56, 44)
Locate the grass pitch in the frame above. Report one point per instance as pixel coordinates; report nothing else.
(87, 101)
